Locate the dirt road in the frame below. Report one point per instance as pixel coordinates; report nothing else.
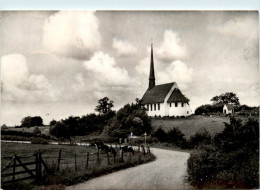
(166, 172)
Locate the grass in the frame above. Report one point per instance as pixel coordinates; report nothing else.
(190, 125)
(68, 175)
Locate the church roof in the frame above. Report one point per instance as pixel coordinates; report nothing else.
(157, 94)
(177, 96)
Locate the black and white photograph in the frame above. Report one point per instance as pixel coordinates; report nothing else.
(129, 99)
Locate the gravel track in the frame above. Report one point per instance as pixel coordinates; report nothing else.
(168, 171)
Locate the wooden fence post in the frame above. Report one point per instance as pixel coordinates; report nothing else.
(98, 159)
(122, 155)
(14, 165)
(87, 160)
(36, 167)
(76, 162)
(114, 158)
(40, 166)
(59, 158)
(108, 161)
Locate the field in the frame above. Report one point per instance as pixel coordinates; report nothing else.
(70, 172)
(190, 125)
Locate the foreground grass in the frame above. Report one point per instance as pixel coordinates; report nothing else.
(190, 125)
(68, 173)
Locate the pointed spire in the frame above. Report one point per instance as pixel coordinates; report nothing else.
(151, 77)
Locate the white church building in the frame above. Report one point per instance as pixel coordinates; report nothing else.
(164, 99)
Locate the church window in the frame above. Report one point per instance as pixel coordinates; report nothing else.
(182, 104)
(159, 106)
(151, 107)
(187, 112)
(176, 104)
(147, 107)
(170, 104)
(154, 107)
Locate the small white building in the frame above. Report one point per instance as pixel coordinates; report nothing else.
(228, 109)
(164, 99)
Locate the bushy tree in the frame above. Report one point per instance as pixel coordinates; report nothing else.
(104, 105)
(60, 130)
(31, 121)
(131, 118)
(53, 122)
(228, 97)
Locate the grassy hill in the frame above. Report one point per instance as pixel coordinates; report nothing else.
(190, 125)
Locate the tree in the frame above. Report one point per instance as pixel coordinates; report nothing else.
(131, 118)
(53, 122)
(31, 121)
(228, 97)
(60, 130)
(104, 105)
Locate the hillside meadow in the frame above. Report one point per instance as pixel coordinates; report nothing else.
(190, 125)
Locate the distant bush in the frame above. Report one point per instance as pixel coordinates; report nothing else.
(231, 161)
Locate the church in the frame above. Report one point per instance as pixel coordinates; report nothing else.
(164, 99)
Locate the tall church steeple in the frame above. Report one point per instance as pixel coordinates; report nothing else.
(151, 77)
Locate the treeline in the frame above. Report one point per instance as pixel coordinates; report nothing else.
(108, 124)
(218, 109)
(231, 160)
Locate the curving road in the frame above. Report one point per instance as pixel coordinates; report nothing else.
(166, 172)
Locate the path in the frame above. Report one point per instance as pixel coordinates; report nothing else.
(166, 172)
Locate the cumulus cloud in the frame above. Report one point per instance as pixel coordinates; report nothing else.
(123, 47)
(171, 48)
(19, 85)
(104, 69)
(240, 27)
(177, 71)
(72, 34)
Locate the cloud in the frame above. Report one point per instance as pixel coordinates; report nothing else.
(240, 27)
(19, 85)
(123, 47)
(105, 70)
(178, 72)
(171, 48)
(72, 34)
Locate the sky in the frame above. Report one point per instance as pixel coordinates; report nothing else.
(55, 64)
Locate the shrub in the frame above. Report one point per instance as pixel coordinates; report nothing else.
(201, 137)
(231, 161)
(175, 136)
(161, 135)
